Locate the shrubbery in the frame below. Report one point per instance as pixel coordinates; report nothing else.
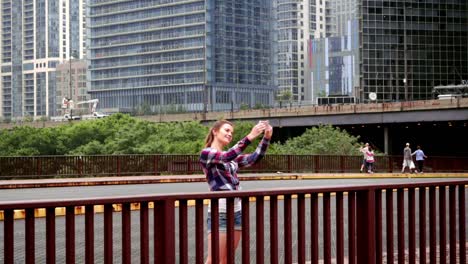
(122, 134)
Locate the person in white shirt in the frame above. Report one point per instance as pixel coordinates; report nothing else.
(407, 159)
(364, 154)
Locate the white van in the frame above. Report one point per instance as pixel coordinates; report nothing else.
(448, 96)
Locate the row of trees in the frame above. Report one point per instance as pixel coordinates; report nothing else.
(123, 134)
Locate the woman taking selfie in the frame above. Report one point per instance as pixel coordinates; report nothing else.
(220, 168)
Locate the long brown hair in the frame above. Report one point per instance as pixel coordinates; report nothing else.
(216, 127)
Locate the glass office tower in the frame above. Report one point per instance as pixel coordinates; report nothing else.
(36, 36)
(173, 55)
(408, 47)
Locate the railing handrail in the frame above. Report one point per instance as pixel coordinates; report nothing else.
(44, 203)
(184, 164)
(196, 155)
(442, 202)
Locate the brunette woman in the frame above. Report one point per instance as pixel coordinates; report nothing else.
(221, 166)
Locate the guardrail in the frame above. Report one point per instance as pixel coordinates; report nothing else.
(129, 165)
(291, 110)
(314, 110)
(362, 217)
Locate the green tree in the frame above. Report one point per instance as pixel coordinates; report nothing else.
(324, 139)
(284, 96)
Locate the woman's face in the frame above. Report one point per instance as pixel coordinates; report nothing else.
(224, 134)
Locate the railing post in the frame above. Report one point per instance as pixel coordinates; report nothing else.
(80, 166)
(342, 164)
(50, 235)
(118, 166)
(365, 226)
(164, 233)
(9, 236)
(189, 165)
(462, 222)
(317, 163)
(390, 164)
(70, 234)
(155, 162)
(38, 167)
(29, 237)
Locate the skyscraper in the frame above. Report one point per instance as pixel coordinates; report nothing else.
(408, 47)
(296, 24)
(36, 36)
(405, 48)
(181, 55)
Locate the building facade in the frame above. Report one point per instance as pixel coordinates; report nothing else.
(71, 83)
(36, 36)
(406, 48)
(409, 47)
(296, 23)
(334, 66)
(180, 55)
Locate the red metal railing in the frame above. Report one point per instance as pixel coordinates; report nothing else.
(129, 165)
(362, 219)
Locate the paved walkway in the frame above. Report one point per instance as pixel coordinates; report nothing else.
(69, 182)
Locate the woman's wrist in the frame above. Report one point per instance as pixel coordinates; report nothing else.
(251, 137)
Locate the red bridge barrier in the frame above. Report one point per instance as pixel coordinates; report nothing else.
(129, 165)
(278, 223)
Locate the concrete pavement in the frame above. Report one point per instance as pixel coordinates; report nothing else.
(69, 182)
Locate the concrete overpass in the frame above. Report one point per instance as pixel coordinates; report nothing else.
(311, 115)
(344, 114)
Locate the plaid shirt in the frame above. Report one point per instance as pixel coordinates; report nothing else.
(220, 167)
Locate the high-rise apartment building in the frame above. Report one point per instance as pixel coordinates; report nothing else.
(296, 24)
(405, 48)
(36, 35)
(188, 55)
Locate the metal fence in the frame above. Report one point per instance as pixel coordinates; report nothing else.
(129, 165)
(391, 223)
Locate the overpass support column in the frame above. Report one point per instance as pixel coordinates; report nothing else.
(386, 141)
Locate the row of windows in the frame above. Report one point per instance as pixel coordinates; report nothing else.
(149, 59)
(227, 97)
(137, 82)
(147, 13)
(431, 4)
(413, 82)
(152, 24)
(112, 7)
(151, 97)
(175, 68)
(449, 59)
(148, 47)
(149, 36)
(424, 27)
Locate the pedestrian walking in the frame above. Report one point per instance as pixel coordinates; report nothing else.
(419, 158)
(220, 168)
(364, 154)
(407, 159)
(370, 160)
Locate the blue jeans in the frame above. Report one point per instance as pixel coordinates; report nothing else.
(223, 221)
